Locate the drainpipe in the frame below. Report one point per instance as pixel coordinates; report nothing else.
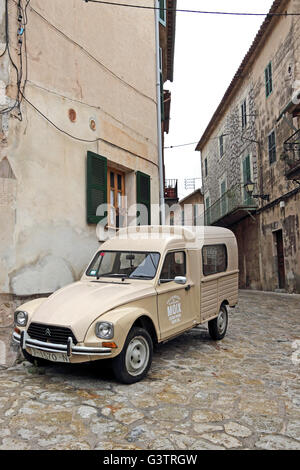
(159, 136)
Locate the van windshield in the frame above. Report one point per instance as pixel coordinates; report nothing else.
(128, 264)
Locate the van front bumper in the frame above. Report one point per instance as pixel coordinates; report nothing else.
(70, 349)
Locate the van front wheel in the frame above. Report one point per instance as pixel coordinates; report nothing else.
(218, 326)
(134, 361)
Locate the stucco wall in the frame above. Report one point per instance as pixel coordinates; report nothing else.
(99, 61)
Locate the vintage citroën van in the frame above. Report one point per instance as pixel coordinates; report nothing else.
(144, 286)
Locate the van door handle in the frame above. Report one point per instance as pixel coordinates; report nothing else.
(187, 288)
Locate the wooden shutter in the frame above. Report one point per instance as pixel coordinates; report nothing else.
(96, 186)
(247, 178)
(269, 80)
(143, 194)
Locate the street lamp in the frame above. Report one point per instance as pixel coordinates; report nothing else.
(249, 187)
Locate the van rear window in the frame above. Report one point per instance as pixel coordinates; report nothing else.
(214, 259)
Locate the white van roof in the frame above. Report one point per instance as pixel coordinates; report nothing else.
(161, 237)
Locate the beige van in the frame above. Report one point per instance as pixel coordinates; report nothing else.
(144, 286)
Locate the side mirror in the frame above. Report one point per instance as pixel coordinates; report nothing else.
(180, 280)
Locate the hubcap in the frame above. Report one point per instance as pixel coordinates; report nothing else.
(221, 322)
(137, 356)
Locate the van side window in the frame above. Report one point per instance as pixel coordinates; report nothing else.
(214, 259)
(174, 265)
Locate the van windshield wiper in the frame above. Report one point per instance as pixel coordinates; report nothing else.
(140, 276)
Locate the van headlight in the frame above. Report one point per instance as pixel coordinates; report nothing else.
(104, 330)
(21, 318)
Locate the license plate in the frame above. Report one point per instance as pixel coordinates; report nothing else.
(50, 356)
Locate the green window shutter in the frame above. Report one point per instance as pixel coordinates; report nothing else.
(96, 186)
(272, 147)
(221, 145)
(162, 11)
(143, 194)
(269, 79)
(246, 169)
(247, 178)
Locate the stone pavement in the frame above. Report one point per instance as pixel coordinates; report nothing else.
(240, 393)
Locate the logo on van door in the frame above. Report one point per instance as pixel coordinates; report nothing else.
(174, 309)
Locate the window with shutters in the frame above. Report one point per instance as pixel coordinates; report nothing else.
(221, 145)
(272, 147)
(205, 167)
(162, 12)
(244, 114)
(143, 197)
(247, 177)
(96, 187)
(268, 79)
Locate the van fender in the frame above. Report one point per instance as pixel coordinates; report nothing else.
(127, 317)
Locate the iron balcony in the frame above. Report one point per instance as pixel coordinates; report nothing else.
(232, 206)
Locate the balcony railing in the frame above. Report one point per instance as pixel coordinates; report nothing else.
(292, 156)
(231, 207)
(171, 189)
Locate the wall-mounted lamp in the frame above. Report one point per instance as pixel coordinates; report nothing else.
(249, 187)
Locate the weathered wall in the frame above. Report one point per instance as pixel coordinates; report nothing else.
(281, 46)
(248, 240)
(99, 61)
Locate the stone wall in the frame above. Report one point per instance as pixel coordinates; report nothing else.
(256, 235)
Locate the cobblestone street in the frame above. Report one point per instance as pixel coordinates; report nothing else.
(240, 393)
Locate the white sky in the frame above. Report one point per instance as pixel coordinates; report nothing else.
(208, 52)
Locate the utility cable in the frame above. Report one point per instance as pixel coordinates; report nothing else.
(203, 12)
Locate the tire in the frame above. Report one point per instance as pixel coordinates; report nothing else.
(34, 360)
(134, 361)
(218, 326)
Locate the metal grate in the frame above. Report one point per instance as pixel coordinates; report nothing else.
(52, 334)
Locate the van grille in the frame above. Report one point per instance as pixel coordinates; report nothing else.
(58, 335)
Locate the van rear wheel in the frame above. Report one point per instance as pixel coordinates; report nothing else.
(218, 326)
(134, 361)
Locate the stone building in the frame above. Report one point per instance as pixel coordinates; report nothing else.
(253, 137)
(189, 211)
(78, 128)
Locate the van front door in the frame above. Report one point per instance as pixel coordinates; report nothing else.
(175, 305)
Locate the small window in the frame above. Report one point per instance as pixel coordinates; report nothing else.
(205, 167)
(244, 114)
(214, 259)
(269, 80)
(272, 147)
(221, 145)
(174, 265)
(162, 12)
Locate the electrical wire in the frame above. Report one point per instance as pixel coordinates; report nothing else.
(181, 145)
(22, 14)
(97, 139)
(85, 51)
(203, 12)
